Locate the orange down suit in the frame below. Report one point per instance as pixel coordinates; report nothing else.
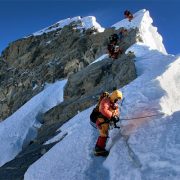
(108, 109)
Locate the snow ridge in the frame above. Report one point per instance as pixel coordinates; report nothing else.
(83, 23)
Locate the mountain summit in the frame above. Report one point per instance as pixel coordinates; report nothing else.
(147, 31)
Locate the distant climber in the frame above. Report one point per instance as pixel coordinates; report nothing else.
(114, 38)
(108, 113)
(128, 15)
(123, 32)
(113, 48)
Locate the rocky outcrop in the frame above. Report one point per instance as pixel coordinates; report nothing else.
(60, 48)
(16, 88)
(100, 76)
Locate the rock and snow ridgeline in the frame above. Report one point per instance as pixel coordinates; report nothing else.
(83, 22)
(141, 20)
(148, 32)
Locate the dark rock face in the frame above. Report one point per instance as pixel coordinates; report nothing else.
(101, 76)
(28, 63)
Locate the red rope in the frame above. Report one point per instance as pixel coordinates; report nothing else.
(141, 117)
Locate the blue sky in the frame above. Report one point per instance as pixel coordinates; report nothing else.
(19, 18)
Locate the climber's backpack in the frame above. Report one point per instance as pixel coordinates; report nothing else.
(113, 38)
(95, 112)
(127, 13)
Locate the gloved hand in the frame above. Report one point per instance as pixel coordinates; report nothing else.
(115, 119)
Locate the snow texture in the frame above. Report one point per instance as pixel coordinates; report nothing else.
(83, 23)
(146, 148)
(21, 127)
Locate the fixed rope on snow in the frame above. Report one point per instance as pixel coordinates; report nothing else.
(141, 117)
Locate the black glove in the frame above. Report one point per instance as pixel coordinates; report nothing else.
(115, 119)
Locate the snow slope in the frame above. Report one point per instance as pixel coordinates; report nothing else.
(149, 147)
(85, 22)
(148, 33)
(146, 148)
(21, 127)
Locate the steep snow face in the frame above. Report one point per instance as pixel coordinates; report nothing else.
(171, 84)
(83, 23)
(151, 150)
(21, 127)
(148, 32)
(164, 71)
(146, 148)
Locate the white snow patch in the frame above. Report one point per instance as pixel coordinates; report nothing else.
(35, 86)
(48, 42)
(56, 138)
(104, 56)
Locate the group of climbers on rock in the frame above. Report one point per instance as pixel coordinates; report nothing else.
(106, 113)
(113, 48)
